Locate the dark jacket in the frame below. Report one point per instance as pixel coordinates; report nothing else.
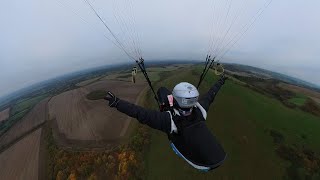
(193, 141)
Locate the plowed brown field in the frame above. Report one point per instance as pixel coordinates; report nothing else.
(4, 114)
(81, 119)
(20, 161)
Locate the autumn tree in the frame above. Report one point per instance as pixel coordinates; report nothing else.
(72, 176)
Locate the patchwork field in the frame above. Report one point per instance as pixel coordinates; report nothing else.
(21, 160)
(263, 138)
(300, 90)
(81, 119)
(83, 123)
(27, 104)
(123, 76)
(4, 114)
(36, 117)
(86, 82)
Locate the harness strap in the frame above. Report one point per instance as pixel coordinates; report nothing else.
(174, 127)
(203, 111)
(170, 99)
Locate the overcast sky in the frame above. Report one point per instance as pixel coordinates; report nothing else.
(44, 39)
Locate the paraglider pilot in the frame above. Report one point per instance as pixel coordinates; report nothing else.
(183, 122)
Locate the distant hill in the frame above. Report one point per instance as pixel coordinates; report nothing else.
(274, 75)
(67, 81)
(58, 84)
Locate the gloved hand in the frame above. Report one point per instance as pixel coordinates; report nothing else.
(222, 79)
(113, 100)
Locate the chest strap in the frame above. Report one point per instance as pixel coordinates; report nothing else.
(176, 113)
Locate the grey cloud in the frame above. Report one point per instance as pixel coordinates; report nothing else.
(44, 39)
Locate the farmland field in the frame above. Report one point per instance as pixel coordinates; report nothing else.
(26, 104)
(86, 82)
(263, 138)
(35, 117)
(86, 123)
(4, 114)
(300, 90)
(81, 119)
(298, 100)
(19, 110)
(20, 161)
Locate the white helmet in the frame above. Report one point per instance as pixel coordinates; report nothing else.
(185, 94)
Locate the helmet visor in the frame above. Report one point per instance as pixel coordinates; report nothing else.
(185, 111)
(186, 102)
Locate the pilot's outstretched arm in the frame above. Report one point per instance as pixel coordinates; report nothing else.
(208, 98)
(155, 119)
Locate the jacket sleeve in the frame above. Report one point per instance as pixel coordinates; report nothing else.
(155, 119)
(208, 98)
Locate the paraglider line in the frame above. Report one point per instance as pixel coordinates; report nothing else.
(114, 36)
(143, 69)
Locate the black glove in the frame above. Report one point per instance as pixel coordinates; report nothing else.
(113, 100)
(222, 79)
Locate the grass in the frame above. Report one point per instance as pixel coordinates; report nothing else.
(154, 76)
(26, 104)
(299, 100)
(13, 119)
(96, 95)
(241, 119)
(19, 110)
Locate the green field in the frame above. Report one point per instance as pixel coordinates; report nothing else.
(96, 95)
(125, 76)
(26, 104)
(154, 76)
(20, 109)
(249, 126)
(299, 100)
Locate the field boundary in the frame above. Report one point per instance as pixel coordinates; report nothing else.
(7, 146)
(23, 135)
(79, 145)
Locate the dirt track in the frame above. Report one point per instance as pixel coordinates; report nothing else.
(4, 114)
(20, 161)
(78, 118)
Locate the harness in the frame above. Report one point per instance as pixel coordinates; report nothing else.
(189, 136)
(179, 123)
